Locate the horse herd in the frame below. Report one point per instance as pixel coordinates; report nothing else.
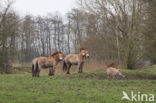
(52, 61)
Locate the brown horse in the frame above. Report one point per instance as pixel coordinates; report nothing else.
(46, 62)
(75, 59)
(113, 71)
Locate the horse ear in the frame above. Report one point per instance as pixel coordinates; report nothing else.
(82, 49)
(60, 52)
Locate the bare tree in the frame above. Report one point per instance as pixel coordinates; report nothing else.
(8, 29)
(120, 25)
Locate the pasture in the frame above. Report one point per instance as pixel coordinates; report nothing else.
(89, 87)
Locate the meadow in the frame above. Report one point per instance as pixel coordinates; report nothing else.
(89, 87)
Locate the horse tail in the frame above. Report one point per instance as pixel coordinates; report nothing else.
(37, 69)
(64, 66)
(32, 69)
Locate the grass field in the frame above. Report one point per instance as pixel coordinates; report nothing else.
(89, 87)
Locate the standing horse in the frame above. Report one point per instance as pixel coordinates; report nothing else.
(46, 62)
(75, 59)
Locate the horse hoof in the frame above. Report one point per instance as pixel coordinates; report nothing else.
(51, 74)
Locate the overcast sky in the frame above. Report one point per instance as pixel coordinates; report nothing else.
(43, 7)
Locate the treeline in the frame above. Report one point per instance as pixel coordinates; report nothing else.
(121, 30)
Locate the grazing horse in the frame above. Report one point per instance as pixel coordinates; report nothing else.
(75, 59)
(46, 62)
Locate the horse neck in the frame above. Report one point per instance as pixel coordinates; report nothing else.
(55, 57)
(81, 57)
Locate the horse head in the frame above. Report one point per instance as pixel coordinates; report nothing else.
(58, 55)
(84, 52)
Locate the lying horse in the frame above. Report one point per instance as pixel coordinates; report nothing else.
(112, 71)
(46, 62)
(75, 59)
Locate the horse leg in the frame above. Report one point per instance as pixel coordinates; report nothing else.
(50, 71)
(68, 68)
(38, 73)
(53, 72)
(38, 70)
(81, 67)
(35, 73)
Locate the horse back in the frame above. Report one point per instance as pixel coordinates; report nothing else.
(39, 59)
(112, 71)
(46, 62)
(72, 58)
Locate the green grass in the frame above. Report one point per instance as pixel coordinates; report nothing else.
(88, 87)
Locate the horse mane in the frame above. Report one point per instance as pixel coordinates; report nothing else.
(56, 53)
(82, 49)
(111, 65)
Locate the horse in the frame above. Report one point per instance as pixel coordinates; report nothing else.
(112, 71)
(46, 62)
(75, 59)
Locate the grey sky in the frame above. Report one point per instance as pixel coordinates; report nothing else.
(43, 7)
